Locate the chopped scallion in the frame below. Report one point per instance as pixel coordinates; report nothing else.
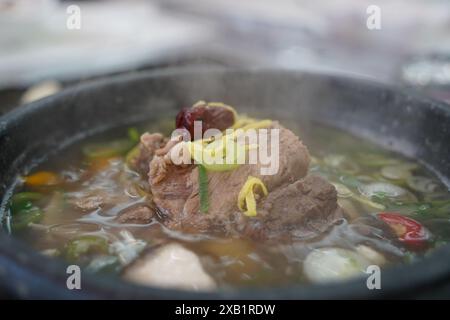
(203, 189)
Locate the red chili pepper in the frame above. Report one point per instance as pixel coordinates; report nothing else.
(408, 230)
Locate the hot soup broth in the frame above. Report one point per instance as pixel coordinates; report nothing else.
(395, 211)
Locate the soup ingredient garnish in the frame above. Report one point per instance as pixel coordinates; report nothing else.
(21, 200)
(342, 163)
(42, 178)
(344, 192)
(133, 134)
(52, 252)
(371, 254)
(26, 217)
(170, 266)
(242, 120)
(203, 188)
(88, 244)
(431, 209)
(128, 248)
(422, 184)
(376, 160)
(411, 208)
(350, 181)
(408, 230)
(246, 197)
(212, 115)
(381, 188)
(349, 209)
(203, 150)
(369, 203)
(26, 196)
(112, 148)
(334, 264)
(398, 172)
(23, 209)
(108, 149)
(103, 263)
(441, 208)
(132, 155)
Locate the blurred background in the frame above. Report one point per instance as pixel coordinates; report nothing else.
(46, 45)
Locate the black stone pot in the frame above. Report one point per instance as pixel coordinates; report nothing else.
(412, 125)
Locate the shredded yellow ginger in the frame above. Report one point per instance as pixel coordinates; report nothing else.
(200, 151)
(209, 148)
(246, 197)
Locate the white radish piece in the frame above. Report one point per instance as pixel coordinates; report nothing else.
(334, 264)
(171, 266)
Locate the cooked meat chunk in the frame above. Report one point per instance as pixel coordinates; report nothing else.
(170, 266)
(147, 147)
(89, 203)
(136, 215)
(170, 184)
(297, 207)
(300, 210)
(224, 187)
(175, 188)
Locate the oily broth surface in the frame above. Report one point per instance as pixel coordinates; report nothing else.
(231, 262)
